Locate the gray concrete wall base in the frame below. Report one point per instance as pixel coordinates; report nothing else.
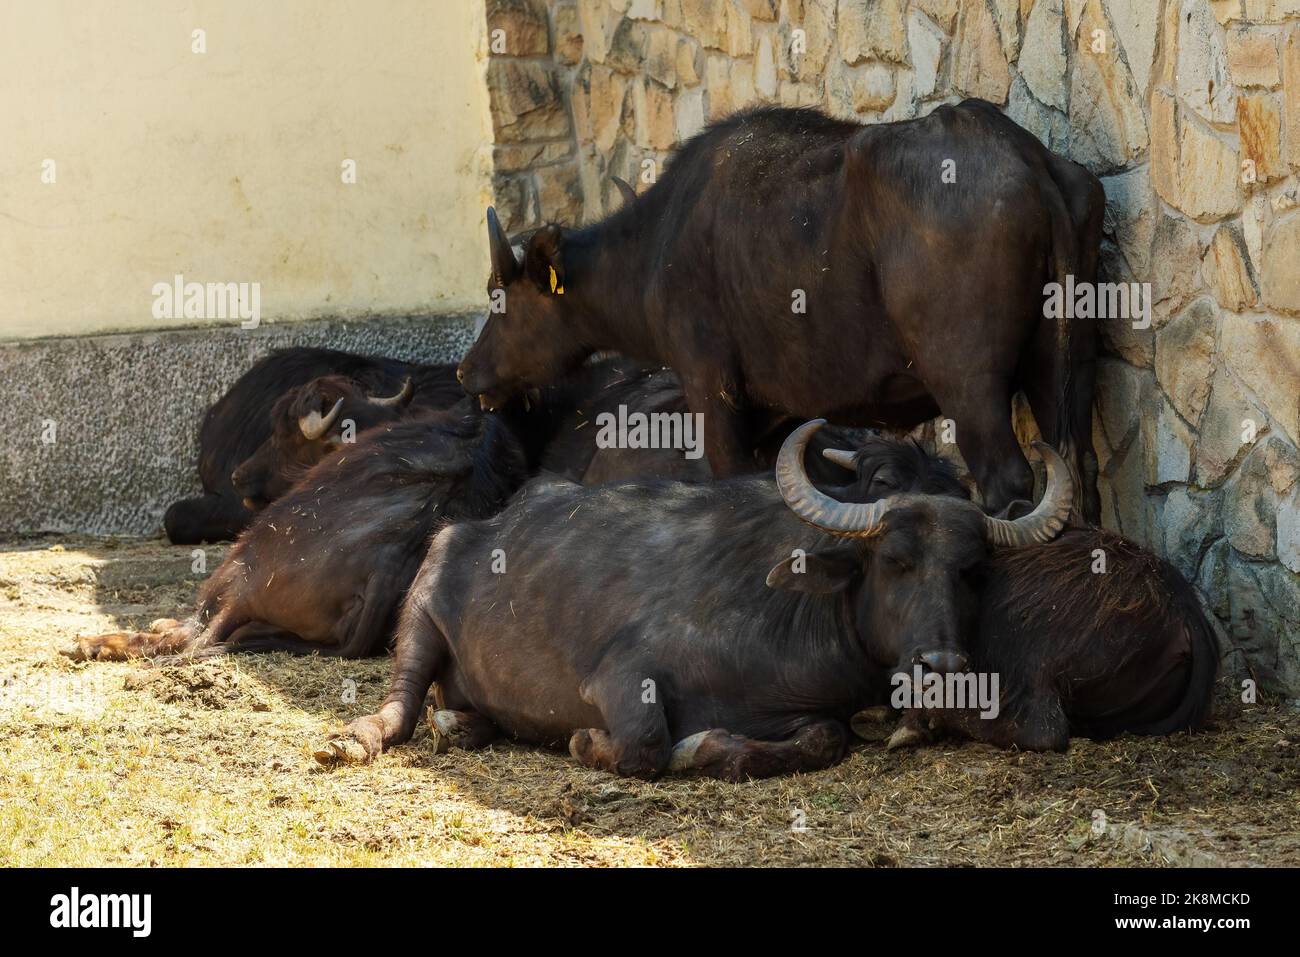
(99, 434)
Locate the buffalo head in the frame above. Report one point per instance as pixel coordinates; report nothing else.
(884, 466)
(529, 338)
(307, 423)
(914, 559)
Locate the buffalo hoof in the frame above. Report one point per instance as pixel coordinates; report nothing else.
(594, 748)
(341, 751)
(686, 751)
(872, 724)
(358, 743)
(74, 651)
(582, 744)
(908, 734)
(444, 730)
(116, 646)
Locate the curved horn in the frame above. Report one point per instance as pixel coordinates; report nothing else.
(840, 457)
(401, 398)
(625, 189)
(1045, 522)
(504, 263)
(313, 426)
(810, 503)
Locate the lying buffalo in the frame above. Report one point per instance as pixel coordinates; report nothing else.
(238, 423)
(312, 420)
(625, 618)
(615, 389)
(1083, 654)
(601, 389)
(557, 425)
(791, 263)
(560, 427)
(1091, 635)
(324, 568)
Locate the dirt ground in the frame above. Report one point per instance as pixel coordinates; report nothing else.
(118, 764)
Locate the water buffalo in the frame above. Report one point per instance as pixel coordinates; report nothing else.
(556, 424)
(312, 420)
(1092, 635)
(617, 387)
(624, 618)
(237, 424)
(324, 568)
(602, 389)
(560, 426)
(797, 264)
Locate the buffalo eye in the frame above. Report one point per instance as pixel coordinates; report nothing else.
(897, 562)
(885, 480)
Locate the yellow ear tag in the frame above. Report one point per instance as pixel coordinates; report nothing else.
(555, 283)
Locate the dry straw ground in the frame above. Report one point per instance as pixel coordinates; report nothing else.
(211, 765)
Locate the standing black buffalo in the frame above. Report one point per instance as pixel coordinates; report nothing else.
(324, 568)
(625, 618)
(790, 262)
(237, 424)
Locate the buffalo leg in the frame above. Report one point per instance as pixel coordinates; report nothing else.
(258, 636)
(1085, 456)
(725, 439)
(363, 630)
(1043, 392)
(1037, 724)
(206, 518)
(251, 637)
(732, 757)
(466, 730)
(358, 634)
(1042, 725)
(207, 640)
(981, 408)
(166, 636)
(637, 743)
(420, 653)
(911, 726)
(271, 638)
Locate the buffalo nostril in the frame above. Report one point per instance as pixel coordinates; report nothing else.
(460, 375)
(943, 662)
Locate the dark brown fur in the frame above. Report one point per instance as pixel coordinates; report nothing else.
(324, 568)
(921, 295)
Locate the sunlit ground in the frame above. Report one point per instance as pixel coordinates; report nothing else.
(211, 765)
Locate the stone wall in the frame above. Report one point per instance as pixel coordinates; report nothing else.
(1189, 110)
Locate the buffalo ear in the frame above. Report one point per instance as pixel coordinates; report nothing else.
(504, 265)
(544, 260)
(823, 572)
(1016, 508)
